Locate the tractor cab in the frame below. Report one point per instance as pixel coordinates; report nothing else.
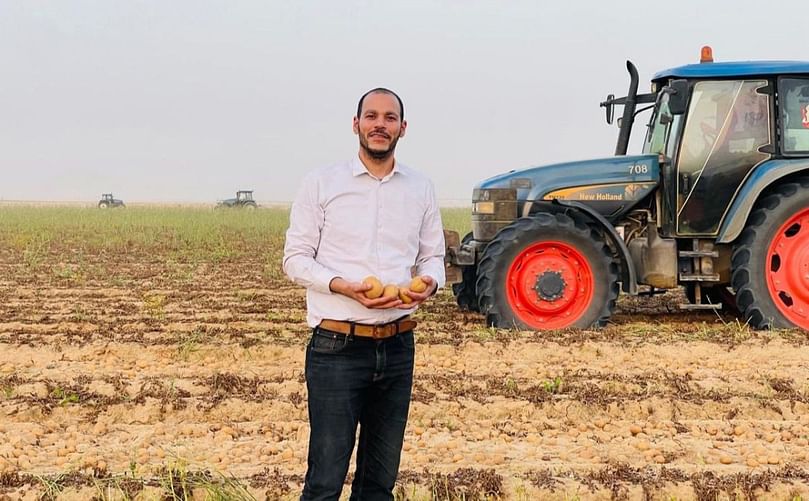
(243, 196)
(717, 202)
(712, 125)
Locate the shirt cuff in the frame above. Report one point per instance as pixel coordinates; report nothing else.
(322, 280)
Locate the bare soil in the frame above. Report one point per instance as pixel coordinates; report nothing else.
(142, 368)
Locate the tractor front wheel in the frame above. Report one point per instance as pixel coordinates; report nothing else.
(771, 260)
(547, 272)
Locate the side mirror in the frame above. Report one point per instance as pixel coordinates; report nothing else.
(609, 107)
(678, 96)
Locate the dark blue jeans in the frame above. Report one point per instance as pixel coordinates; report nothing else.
(354, 380)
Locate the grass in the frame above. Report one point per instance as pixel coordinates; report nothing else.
(174, 482)
(7, 391)
(175, 234)
(64, 397)
(190, 344)
(457, 219)
(552, 386)
(187, 234)
(51, 487)
(154, 305)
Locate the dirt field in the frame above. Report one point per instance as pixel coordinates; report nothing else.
(170, 365)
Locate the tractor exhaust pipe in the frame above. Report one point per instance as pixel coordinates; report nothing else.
(628, 117)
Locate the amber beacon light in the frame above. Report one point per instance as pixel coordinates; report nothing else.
(706, 54)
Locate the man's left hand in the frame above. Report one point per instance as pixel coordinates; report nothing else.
(420, 297)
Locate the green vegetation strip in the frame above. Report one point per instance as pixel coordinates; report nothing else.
(36, 230)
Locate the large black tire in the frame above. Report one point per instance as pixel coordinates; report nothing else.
(464, 292)
(773, 247)
(103, 205)
(547, 272)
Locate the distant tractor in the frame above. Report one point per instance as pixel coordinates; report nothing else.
(108, 202)
(717, 203)
(244, 199)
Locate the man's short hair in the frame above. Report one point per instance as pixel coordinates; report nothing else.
(384, 91)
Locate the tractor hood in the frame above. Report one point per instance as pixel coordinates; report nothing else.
(534, 183)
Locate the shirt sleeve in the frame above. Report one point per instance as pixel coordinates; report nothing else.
(430, 259)
(303, 238)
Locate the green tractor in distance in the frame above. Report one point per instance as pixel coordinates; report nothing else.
(109, 202)
(717, 203)
(244, 199)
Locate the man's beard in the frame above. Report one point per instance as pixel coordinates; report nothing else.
(379, 154)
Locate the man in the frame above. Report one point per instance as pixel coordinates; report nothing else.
(368, 216)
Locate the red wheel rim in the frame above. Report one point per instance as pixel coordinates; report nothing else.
(536, 271)
(788, 269)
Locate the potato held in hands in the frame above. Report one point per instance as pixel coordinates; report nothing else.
(418, 285)
(376, 287)
(390, 291)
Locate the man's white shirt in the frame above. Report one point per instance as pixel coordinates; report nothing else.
(346, 223)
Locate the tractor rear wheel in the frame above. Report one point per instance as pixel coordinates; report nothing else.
(464, 291)
(771, 260)
(547, 272)
(103, 205)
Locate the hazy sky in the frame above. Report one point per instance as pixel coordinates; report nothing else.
(190, 100)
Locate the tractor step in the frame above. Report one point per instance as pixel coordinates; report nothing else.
(699, 253)
(687, 277)
(701, 307)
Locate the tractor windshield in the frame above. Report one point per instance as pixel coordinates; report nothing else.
(661, 126)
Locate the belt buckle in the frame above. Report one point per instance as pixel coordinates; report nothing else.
(375, 333)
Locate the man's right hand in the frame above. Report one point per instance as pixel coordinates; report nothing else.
(356, 291)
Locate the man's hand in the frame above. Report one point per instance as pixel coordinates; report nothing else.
(420, 297)
(356, 291)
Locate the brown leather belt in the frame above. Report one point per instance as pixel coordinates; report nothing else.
(381, 331)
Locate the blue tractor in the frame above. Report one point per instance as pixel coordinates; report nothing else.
(717, 203)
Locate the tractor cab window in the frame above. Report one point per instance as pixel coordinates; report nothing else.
(727, 124)
(794, 94)
(662, 129)
(659, 126)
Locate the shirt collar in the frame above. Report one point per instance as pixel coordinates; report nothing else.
(358, 168)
